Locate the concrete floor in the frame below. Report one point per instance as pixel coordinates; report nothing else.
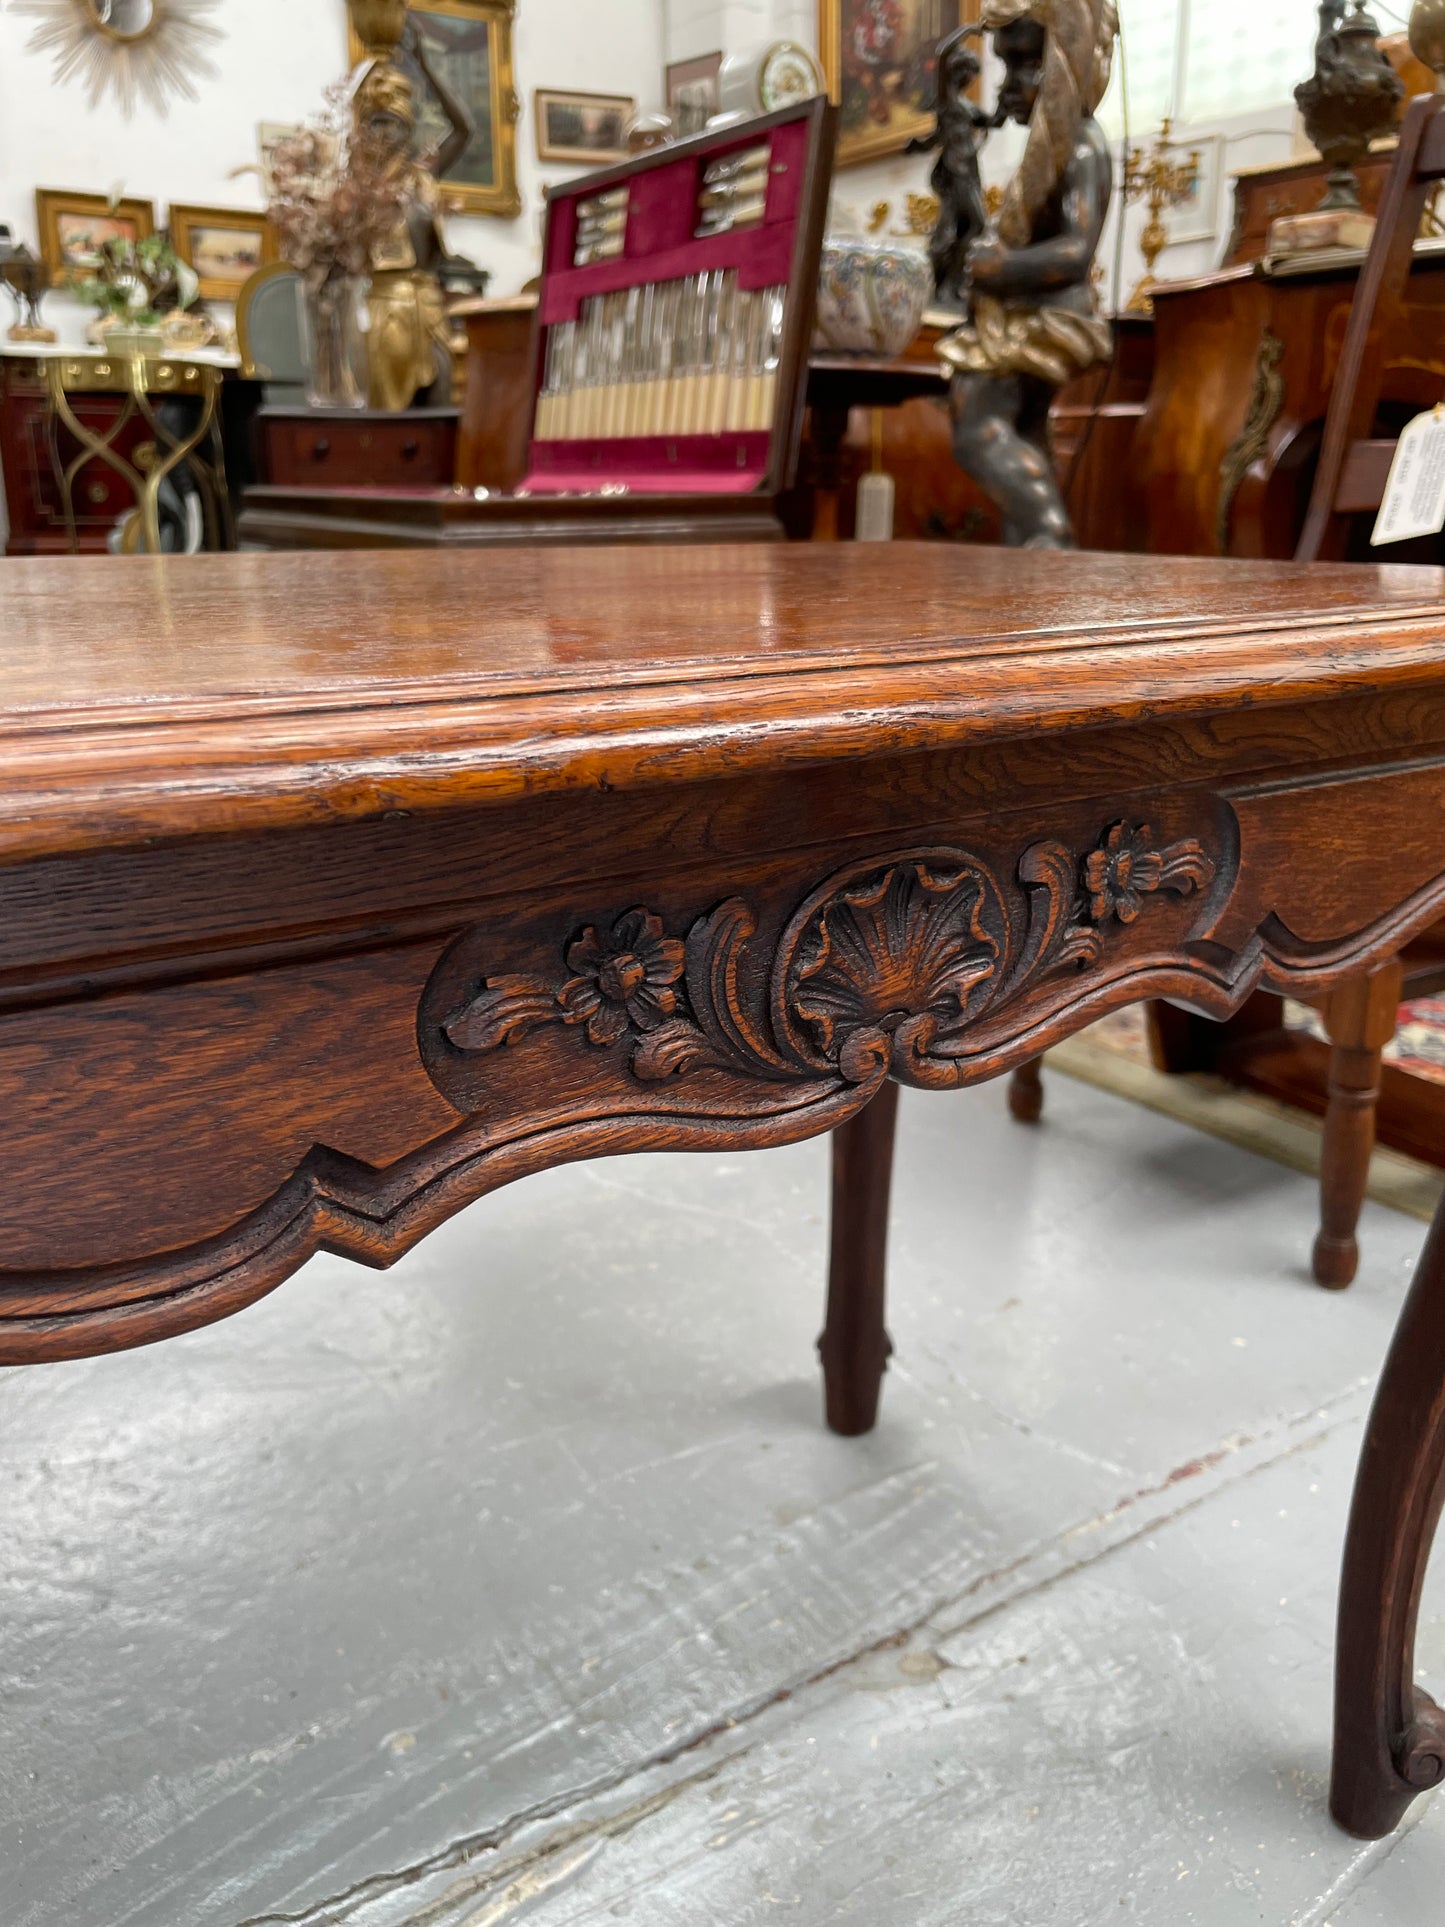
(523, 1583)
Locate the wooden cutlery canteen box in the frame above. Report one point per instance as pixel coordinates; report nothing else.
(670, 356)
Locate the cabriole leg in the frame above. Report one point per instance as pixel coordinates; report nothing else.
(1026, 1091)
(855, 1345)
(1389, 1735)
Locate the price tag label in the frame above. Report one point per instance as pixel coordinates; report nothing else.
(1414, 502)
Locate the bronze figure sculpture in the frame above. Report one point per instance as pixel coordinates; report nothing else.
(1032, 318)
(959, 131)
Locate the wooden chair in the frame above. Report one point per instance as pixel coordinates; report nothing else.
(269, 332)
(1354, 463)
(1359, 1017)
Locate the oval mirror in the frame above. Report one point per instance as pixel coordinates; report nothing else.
(124, 19)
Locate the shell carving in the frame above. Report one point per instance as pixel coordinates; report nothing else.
(890, 967)
(905, 948)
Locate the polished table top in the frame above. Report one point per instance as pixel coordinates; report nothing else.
(211, 692)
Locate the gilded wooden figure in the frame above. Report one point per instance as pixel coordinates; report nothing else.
(408, 343)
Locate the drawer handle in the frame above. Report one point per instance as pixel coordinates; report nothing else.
(411, 446)
(321, 448)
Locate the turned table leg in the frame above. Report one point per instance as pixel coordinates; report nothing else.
(1389, 1735)
(1026, 1091)
(1359, 1021)
(854, 1346)
(830, 429)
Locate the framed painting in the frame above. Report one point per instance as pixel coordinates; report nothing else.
(691, 92)
(74, 227)
(1196, 217)
(878, 57)
(225, 246)
(587, 128)
(469, 42)
(269, 136)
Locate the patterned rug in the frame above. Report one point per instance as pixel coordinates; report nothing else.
(1419, 1042)
(1113, 1055)
(1418, 1045)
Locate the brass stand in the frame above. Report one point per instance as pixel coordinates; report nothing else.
(140, 378)
(1160, 183)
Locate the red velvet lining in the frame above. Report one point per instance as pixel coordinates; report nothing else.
(761, 256)
(659, 243)
(730, 463)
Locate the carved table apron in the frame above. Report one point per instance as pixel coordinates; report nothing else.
(340, 890)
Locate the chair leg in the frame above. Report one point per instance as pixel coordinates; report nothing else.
(854, 1346)
(1389, 1735)
(1359, 1021)
(1026, 1091)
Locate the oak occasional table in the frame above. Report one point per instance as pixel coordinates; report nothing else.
(340, 890)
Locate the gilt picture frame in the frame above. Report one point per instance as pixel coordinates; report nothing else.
(588, 130)
(224, 245)
(72, 225)
(878, 60)
(470, 43)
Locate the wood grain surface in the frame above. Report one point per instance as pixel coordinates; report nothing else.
(148, 697)
(337, 891)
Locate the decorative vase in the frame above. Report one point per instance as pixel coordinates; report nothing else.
(1350, 99)
(129, 339)
(335, 342)
(1427, 37)
(123, 336)
(185, 328)
(871, 296)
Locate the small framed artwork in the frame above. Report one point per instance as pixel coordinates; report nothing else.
(879, 60)
(74, 228)
(469, 48)
(590, 128)
(691, 92)
(269, 136)
(1196, 217)
(225, 246)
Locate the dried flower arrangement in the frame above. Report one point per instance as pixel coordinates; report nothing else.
(339, 191)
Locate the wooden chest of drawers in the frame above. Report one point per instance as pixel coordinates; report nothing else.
(1293, 187)
(358, 447)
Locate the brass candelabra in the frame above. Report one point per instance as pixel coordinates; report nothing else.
(1161, 182)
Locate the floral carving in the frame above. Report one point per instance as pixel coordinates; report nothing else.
(622, 981)
(1126, 868)
(888, 967)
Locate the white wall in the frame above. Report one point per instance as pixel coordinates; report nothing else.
(699, 26)
(275, 61)
(278, 56)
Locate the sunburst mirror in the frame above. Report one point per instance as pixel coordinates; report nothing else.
(136, 49)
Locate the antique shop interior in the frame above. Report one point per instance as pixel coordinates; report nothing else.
(592, 579)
